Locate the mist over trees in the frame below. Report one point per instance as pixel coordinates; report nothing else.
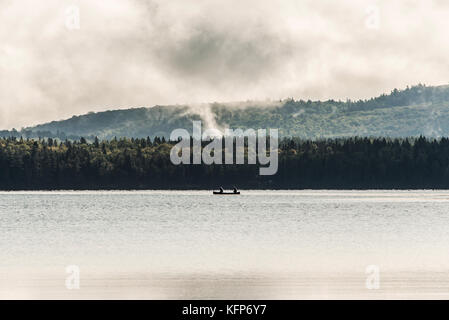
(330, 144)
(144, 163)
(414, 111)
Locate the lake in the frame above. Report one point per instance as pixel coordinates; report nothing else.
(194, 245)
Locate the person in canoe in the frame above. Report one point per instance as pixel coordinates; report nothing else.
(235, 191)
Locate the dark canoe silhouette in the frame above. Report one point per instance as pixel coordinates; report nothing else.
(226, 193)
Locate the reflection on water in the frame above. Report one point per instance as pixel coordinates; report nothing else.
(190, 244)
(395, 285)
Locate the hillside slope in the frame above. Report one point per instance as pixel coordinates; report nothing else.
(419, 110)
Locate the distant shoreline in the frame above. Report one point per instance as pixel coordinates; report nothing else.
(240, 189)
(145, 164)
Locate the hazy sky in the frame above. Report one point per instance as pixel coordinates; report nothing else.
(132, 53)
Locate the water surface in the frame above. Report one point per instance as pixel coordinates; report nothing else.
(191, 244)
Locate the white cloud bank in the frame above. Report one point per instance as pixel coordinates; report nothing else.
(141, 53)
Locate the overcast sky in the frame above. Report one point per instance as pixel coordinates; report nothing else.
(131, 53)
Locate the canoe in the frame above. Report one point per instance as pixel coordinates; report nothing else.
(226, 193)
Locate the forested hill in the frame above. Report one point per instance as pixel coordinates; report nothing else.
(419, 110)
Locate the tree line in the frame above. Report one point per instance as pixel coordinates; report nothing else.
(144, 163)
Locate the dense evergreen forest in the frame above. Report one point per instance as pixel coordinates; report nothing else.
(145, 164)
(413, 111)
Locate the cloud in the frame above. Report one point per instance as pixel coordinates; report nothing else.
(130, 53)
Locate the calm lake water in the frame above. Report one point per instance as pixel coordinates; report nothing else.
(191, 244)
